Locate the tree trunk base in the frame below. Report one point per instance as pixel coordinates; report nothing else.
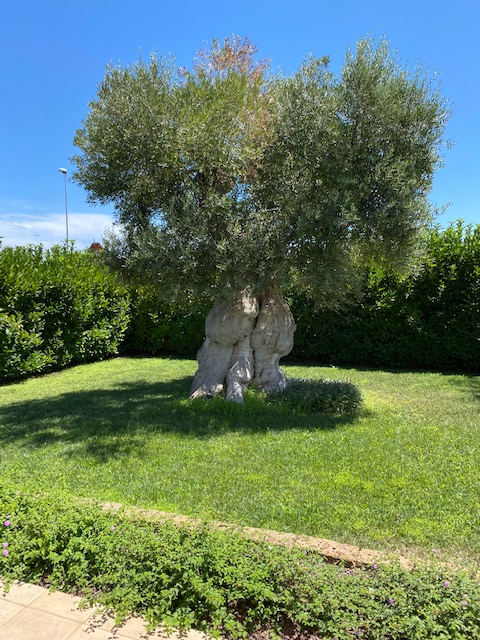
(244, 342)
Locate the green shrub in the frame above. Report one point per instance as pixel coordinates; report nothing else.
(428, 320)
(319, 396)
(19, 347)
(221, 582)
(444, 300)
(157, 326)
(57, 307)
(61, 307)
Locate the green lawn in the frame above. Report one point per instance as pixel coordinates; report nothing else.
(403, 473)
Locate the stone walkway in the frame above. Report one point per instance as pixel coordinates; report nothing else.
(30, 612)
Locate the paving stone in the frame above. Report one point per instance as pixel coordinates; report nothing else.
(132, 627)
(21, 593)
(7, 611)
(135, 629)
(61, 604)
(86, 632)
(37, 625)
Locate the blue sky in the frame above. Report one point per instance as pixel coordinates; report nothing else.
(53, 55)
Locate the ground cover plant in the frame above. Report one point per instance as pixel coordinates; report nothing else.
(400, 474)
(198, 576)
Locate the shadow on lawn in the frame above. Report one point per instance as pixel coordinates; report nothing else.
(107, 423)
(465, 382)
(470, 385)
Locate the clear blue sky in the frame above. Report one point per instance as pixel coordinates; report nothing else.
(53, 55)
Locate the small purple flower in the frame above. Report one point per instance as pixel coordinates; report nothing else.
(5, 552)
(464, 603)
(4, 545)
(374, 566)
(112, 528)
(446, 584)
(391, 602)
(436, 550)
(7, 523)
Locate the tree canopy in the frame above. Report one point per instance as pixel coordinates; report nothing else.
(227, 177)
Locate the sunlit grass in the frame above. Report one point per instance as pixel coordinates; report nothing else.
(403, 472)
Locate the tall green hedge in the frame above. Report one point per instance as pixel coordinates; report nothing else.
(157, 326)
(57, 307)
(61, 307)
(430, 319)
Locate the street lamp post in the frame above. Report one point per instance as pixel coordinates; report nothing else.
(64, 171)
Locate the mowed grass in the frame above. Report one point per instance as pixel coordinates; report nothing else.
(403, 474)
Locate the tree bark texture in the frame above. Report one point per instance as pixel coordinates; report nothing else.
(244, 342)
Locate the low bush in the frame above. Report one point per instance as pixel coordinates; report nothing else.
(221, 582)
(319, 396)
(57, 307)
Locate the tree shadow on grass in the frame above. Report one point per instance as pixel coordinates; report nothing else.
(118, 422)
(468, 384)
(463, 381)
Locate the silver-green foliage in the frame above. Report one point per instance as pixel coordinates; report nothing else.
(228, 176)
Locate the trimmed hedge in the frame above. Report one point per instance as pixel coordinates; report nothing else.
(58, 307)
(428, 320)
(63, 307)
(157, 326)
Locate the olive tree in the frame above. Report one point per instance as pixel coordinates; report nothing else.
(233, 182)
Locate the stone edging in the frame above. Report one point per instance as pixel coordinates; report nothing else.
(332, 551)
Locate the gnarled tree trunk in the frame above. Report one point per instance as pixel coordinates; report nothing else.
(244, 342)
